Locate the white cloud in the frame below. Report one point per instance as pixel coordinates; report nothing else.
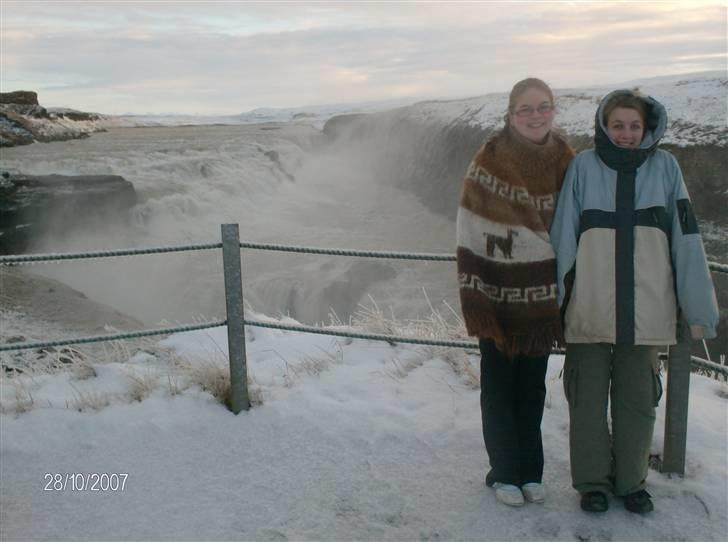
(222, 57)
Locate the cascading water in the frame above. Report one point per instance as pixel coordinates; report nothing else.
(281, 185)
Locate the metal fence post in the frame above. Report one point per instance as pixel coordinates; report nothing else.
(235, 323)
(676, 408)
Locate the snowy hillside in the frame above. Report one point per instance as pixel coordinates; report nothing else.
(697, 107)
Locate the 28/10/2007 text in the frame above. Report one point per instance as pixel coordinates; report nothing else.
(90, 481)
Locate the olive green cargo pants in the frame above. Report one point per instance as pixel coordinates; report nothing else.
(628, 378)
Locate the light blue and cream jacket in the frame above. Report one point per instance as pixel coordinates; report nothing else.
(628, 250)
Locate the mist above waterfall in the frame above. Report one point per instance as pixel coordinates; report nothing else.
(281, 184)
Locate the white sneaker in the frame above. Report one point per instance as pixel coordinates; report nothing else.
(534, 492)
(508, 494)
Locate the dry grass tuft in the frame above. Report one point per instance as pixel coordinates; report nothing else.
(213, 379)
(76, 359)
(434, 326)
(311, 365)
(24, 401)
(174, 385)
(84, 401)
(400, 369)
(83, 371)
(141, 385)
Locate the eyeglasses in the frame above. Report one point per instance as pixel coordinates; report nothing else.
(527, 110)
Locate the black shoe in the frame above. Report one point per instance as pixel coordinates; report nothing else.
(594, 501)
(638, 502)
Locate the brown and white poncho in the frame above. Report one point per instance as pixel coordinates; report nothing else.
(506, 266)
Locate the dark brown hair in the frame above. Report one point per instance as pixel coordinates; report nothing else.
(524, 85)
(627, 101)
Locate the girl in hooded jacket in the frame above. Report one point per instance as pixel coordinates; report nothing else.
(630, 259)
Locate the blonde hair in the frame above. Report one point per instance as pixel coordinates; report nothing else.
(522, 86)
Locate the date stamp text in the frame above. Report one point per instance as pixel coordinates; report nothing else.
(88, 481)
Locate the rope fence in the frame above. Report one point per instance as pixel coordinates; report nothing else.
(35, 258)
(114, 337)
(679, 359)
(348, 252)
(391, 339)
(423, 256)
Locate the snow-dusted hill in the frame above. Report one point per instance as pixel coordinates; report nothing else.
(426, 147)
(697, 108)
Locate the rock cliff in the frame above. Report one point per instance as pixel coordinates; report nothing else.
(31, 205)
(23, 120)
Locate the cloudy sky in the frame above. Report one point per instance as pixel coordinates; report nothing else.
(228, 57)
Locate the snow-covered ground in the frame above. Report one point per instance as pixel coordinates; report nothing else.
(353, 440)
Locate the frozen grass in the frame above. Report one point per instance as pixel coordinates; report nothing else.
(152, 367)
(447, 326)
(84, 401)
(23, 398)
(142, 384)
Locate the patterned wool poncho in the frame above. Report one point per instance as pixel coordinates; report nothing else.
(506, 266)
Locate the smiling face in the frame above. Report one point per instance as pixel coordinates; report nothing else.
(532, 114)
(626, 127)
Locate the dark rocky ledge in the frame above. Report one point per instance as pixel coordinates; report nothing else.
(32, 206)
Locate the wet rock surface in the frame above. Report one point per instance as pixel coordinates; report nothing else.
(32, 205)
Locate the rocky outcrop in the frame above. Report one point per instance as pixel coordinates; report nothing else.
(13, 131)
(19, 97)
(23, 120)
(33, 206)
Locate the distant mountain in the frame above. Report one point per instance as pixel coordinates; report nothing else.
(319, 114)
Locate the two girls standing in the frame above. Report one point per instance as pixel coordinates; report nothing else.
(629, 254)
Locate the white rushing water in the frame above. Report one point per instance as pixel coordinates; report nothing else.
(282, 185)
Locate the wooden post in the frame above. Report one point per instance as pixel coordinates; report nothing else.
(676, 408)
(235, 323)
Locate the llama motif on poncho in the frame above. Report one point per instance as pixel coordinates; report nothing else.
(506, 266)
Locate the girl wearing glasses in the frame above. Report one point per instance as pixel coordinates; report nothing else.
(629, 254)
(507, 278)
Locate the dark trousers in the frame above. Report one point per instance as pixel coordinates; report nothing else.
(512, 395)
